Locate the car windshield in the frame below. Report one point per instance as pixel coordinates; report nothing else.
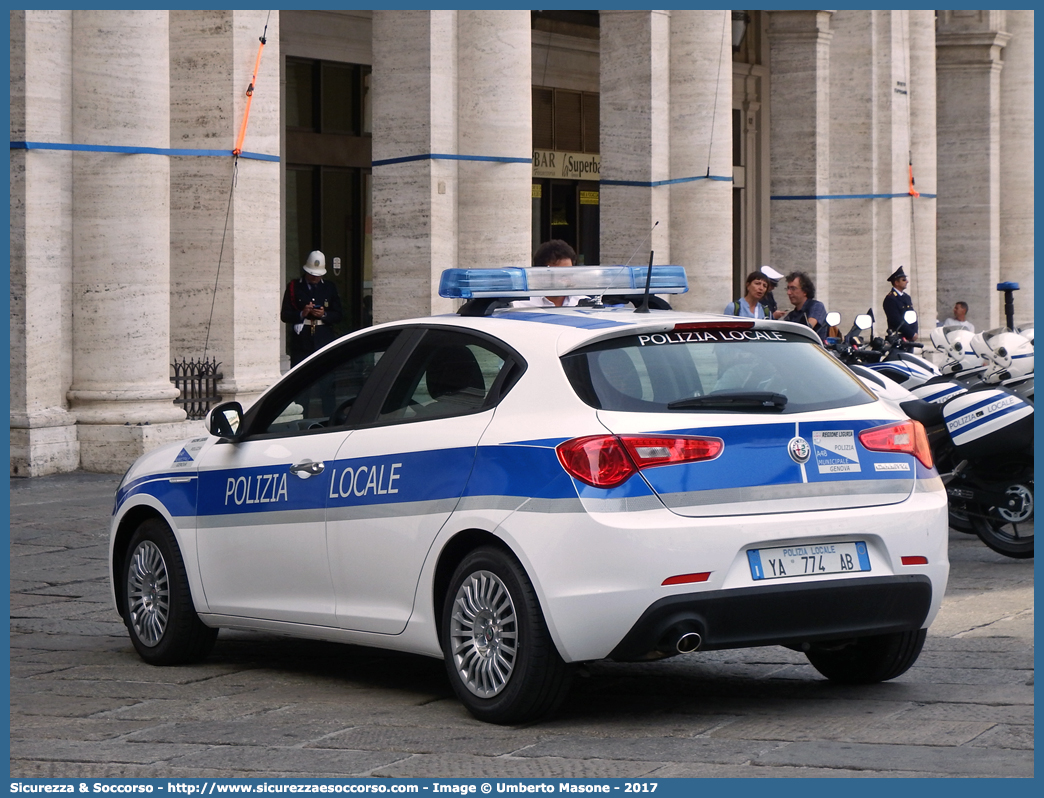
(710, 371)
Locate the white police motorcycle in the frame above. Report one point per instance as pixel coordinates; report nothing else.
(981, 436)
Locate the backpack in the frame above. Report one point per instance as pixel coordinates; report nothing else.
(736, 309)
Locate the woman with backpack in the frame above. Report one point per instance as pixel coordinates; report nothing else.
(749, 305)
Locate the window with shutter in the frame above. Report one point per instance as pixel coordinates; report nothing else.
(543, 119)
(591, 122)
(568, 121)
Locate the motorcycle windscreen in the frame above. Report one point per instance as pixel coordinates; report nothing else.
(779, 467)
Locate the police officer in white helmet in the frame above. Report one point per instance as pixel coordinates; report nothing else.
(311, 307)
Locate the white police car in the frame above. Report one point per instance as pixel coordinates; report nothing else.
(517, 490)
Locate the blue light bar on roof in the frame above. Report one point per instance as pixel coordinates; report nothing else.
(560, 281)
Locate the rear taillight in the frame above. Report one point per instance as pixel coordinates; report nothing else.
(599, 460)
(606, 461)
(654, 451)
(907, 437)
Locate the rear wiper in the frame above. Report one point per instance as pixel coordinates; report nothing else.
(741, 400)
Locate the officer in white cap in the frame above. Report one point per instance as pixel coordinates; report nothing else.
(769, 301)
(897, 302)
(311, 307)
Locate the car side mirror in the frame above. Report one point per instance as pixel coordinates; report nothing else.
(225, 420)
(910, 316)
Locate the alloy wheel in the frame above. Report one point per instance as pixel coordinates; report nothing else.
(148, 593)
(484, 634)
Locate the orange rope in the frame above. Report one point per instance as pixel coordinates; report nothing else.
(913, 191)
(250, 97)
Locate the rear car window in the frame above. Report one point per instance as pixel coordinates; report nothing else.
(450, 373)
(710, 370)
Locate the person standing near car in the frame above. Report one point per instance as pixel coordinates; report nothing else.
(310, 307)
(770, 300)
(750, 304)
(808, 310)
(551, 253)
(896, 303)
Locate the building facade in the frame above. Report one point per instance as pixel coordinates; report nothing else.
(842, 143)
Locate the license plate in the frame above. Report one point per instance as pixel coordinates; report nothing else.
(808, 559)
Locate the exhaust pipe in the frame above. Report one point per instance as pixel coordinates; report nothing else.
(688, 642)
(680, 638)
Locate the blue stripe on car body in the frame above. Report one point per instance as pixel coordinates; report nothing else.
(179, 498)
(385, 479)
(754, 456)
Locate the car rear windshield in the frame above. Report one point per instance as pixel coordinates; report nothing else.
(712, 370)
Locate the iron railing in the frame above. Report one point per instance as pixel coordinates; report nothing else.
(197, 380)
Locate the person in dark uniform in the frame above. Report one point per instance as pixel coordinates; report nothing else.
(769, 300)
(310, 308)
(896, 303)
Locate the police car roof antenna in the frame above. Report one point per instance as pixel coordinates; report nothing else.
(644, 307)
(640, 244)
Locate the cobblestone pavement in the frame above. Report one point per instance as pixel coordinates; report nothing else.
(84, 705)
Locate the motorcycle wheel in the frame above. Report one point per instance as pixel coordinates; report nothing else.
(957, 509)
(1008, 532)
(959, 520)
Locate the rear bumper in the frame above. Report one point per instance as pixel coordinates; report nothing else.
(788, 614)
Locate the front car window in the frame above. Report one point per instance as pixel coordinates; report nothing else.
(667, 372)
(320, 394)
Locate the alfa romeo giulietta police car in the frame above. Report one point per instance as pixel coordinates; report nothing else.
(518, 490)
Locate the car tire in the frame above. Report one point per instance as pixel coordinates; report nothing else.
(868, 660)
(157, 602)
(499, 655)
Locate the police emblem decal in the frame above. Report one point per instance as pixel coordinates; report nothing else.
(799, 450)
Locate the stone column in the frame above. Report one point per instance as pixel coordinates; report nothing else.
(1016, 162)
(857, 267)
(414, 196)
(494, 119)
(635, 125)
(454, 83)
(882, 94)
(43, 432)
(923, 145)
(121, 237)
(701, 156)
(799, 59)
(225, 288)
(968, 64)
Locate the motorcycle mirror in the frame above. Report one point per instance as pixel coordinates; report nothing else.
(910, 316)
(863, 321)
(833, 318)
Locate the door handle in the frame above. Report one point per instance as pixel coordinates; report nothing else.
(306, 468)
